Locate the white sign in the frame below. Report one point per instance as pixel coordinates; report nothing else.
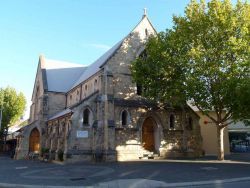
(82, 134)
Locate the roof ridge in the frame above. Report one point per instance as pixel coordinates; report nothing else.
(57, 64)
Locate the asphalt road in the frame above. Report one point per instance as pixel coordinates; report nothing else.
(90, 174)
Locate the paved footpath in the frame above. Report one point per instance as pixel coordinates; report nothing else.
(204, 172)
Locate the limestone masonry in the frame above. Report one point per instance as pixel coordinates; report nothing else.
(97, 113)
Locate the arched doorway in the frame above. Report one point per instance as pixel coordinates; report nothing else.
(34, 141)
(148, 139)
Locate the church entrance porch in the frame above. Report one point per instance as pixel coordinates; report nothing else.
(34, 141)
(148, 134)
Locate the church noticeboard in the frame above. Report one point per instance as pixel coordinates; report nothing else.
(82, 134)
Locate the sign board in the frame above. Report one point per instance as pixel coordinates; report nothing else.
(82, 134)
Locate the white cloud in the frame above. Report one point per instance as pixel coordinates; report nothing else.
(100, 46)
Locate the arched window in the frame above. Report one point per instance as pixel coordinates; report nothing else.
(124, 118)
(171, 121)
(139, 89)
(190, 123)
(95, 85)
(86, 90)
(86, 114)
(143, 55)
(58, 129)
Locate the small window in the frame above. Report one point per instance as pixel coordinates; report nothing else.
(171, 121)
(86, 117)
(77, 92)
(70, 97)
(146, 32)
(190, 123)
(86, 87)
(143, 55)
(139, 89)
(124, 118)
(95, 85)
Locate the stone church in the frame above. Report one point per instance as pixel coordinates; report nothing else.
(97, 112)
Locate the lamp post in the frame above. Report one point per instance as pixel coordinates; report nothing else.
(1, 136)
(0, 118)
(3, 129)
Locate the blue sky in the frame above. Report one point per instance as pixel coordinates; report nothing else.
(77, 31)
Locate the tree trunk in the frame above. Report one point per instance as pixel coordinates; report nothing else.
(220, 140)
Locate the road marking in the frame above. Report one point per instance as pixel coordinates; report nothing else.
(21, 167)
(133, 182)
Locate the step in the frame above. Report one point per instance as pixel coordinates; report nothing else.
(149, 155)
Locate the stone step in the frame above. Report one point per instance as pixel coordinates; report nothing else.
(149, 155)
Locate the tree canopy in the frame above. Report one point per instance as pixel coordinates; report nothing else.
(12, 105)
(203, 59)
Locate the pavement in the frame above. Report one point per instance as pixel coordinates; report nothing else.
(201, 172)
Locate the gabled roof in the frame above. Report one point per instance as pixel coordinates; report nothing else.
(60, 75)
(96, 66)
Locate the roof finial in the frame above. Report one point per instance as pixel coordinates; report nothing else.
(145, 12)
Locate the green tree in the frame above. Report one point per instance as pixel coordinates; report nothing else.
(210, 46)
(12, 105)
(160, 71)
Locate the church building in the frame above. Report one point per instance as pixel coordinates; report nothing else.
(96, 112)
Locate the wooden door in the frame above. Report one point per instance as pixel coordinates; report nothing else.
(34, 141)
(148, 139)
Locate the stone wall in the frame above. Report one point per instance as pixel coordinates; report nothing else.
(74, 96)
(84, 90)
(56, 103)
(169, 142)
(81, 146)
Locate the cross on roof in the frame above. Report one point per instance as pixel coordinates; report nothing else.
(145, 12)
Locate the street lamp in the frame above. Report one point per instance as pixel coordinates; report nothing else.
(4, 131)
(0, 118)
(1, 126)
